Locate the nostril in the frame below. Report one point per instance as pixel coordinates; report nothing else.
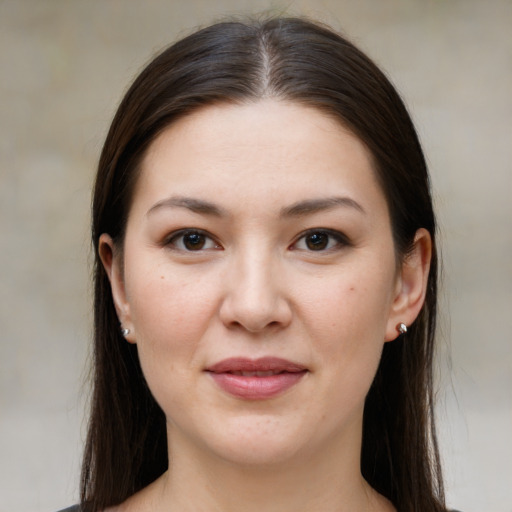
(254, 326)
(255, 305)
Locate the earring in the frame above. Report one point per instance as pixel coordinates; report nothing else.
(125, 331)
(401, 328)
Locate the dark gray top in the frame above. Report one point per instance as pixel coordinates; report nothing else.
(76, 508)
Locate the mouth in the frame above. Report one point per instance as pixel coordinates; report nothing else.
(257, 379)
(254, 374)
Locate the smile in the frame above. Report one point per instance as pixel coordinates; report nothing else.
(258, 379)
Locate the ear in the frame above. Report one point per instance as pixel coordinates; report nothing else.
(112, 262)
(411, 284)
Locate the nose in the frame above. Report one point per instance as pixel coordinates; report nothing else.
(255, 294)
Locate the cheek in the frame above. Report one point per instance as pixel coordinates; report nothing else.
(350, 338)
(170, 316)
(349, 325)
(354, 308)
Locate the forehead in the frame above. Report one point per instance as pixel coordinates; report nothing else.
(268, 150)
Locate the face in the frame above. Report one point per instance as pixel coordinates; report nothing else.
(259, 281)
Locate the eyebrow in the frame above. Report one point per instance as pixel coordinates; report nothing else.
(195, 205)
(310, 206)
(297, 209)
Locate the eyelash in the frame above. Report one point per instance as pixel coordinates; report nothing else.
(173, 240)
(176, 240)
(340, 240)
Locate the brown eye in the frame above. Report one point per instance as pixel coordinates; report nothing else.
(321, 240)
(317, 241)
(191, 240)
(194, 241)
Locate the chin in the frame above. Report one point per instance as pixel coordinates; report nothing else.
(259, 453)
(265, 441)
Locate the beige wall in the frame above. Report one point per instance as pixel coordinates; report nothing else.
(63, 68)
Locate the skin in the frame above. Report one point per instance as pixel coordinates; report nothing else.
(256, 286)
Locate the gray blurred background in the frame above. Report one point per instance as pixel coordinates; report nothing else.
(63, 68)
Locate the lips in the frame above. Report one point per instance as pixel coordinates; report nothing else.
(257, 379)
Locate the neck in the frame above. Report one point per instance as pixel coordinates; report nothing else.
(323, 479)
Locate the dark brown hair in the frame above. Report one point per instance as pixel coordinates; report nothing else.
(293, 60)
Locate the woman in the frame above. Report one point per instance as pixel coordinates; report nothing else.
(265, 284)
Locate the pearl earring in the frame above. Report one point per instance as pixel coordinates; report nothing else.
(401, 328)
(125, 331)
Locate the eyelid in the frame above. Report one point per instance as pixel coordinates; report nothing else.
(341, 239)
(169, 240)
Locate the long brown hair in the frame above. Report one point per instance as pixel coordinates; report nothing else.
(295, 60)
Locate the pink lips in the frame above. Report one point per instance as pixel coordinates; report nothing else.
(256, 379)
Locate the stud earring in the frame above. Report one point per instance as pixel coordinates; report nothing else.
(401, 328)
(125, 331)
